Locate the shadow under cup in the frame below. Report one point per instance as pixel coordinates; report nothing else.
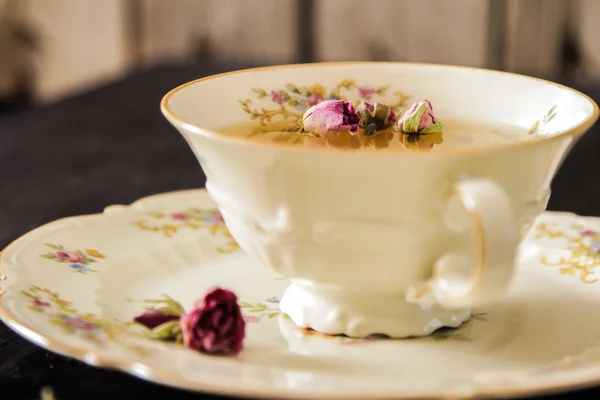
(392, 243)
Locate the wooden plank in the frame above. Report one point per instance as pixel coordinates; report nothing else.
(262, 30)
(436, 31)
(17, 40)
(588, 38)
(81, 43)
(168, 29)
(534, 36)
(496, 42)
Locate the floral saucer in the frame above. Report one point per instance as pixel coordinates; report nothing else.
(74, 285)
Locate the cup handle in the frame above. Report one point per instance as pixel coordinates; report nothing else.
(481, 271)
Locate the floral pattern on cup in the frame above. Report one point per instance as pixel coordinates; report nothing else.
(539, 126)
(171, 223)
(79, 260)
(293, 100)
(288, 120)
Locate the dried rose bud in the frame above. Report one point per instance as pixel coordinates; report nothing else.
(375, 117)
(153, 318)
(330, 117)
(419, 119)
(215, 324)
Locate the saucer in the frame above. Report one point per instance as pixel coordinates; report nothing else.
(74, 285)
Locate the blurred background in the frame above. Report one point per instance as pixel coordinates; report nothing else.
(50, 49)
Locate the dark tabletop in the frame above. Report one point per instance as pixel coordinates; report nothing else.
(112, 146)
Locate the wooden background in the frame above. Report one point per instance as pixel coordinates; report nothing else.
(86, 42)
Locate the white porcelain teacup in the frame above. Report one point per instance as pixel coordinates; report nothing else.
(392, 243)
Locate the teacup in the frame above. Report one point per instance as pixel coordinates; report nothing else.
(386, 243)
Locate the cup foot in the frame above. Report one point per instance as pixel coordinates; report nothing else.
(334, 311)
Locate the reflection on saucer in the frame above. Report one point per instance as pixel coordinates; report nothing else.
(309, 342)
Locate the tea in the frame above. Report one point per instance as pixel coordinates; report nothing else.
(456, 133)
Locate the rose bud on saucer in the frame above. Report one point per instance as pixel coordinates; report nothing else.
(215, 324)
(153, 318)
(375, 117)
(419, 118)
(162, 322)
(330, 117)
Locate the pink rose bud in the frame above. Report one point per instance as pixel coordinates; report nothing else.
(419, 119)
(69, 256)
(375, 117)
(330, 117)
(215, 324)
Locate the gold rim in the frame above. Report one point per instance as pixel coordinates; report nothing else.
(574, 131)
(151, 373)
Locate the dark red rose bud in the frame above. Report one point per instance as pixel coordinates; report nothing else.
(215, 324)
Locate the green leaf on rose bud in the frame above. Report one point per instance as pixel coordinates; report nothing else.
(169, 311)
(179, 337)
(435, 128)
(365, 116)
(166, 331)
(171, 307)
(381, 112)
(411, 124)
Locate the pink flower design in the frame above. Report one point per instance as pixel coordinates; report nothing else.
(181, 216)
(252, 319)
(278, 96)
(588, 233)
(213, 219)
(366, 92)
(39, 303)
(330, 118)
(69, 256)
(78, 323)
(314, 99)
(215, 323)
